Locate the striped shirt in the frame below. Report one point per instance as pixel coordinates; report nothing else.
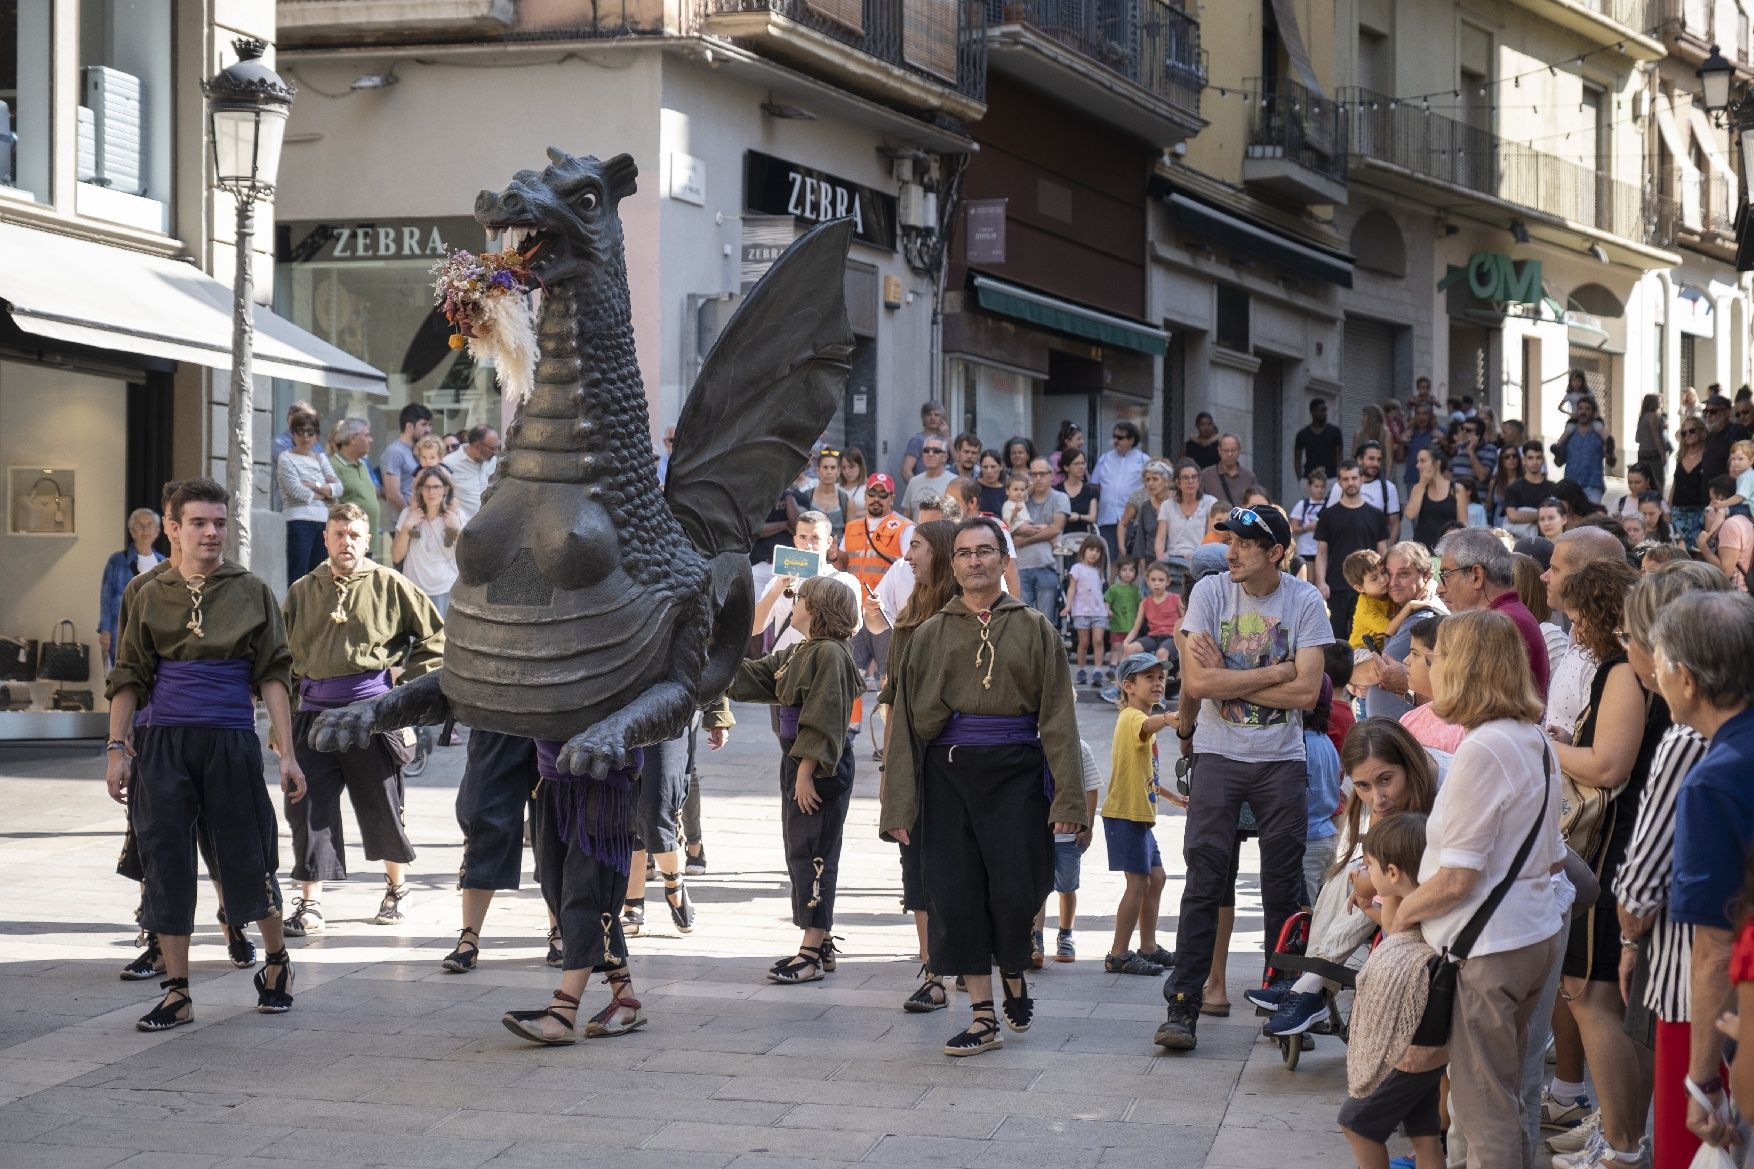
(1643, 884)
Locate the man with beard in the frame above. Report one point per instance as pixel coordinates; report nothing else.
(1375, 488)
(1348, 526)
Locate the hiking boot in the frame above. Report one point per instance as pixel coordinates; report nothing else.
(1177, 1031)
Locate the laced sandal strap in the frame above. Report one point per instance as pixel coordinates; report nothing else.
(172, 986)
(618, 978)
(278, 957)
(572, 1004)
(669, 878)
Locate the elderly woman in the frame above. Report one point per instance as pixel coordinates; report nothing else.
(350, 442)
(1502, 792)
(1658, 945)
(1138, 530)
(139, 556)
(309, 487)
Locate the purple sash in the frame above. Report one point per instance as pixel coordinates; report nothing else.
(605, 832)
(329, 693)
(995, 730)
(788, 720)
(212, 693)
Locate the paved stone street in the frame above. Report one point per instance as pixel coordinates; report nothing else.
(387, 1060)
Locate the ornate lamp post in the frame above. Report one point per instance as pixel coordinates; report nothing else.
(247, 108)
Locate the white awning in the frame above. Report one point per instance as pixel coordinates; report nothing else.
(103, 297)
(1707, 136)
(1670, 129)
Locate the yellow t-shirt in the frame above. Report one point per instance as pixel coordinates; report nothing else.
(1371, 616)
(1132, 786)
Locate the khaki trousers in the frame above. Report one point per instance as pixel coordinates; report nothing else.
(1497, 996)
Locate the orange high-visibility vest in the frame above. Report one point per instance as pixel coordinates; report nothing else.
(872, 549)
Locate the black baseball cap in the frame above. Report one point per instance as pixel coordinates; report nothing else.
(1263, 525)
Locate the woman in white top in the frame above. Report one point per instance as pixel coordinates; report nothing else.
(425, 546)
(1181, 520)
(308, 487)
(1502, 774)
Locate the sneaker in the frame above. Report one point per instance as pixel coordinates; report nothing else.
(1036, 954)
(1081, 678)
(1573, 1140)
(390, 908)
(1594, 1147)
(1177, 1031)
(1604, 1156)
(1064, 951)
(306, 919)
(696, 866)
(1111, 693)
(1557, 1115)
(1298, 1013)
(1130, 963)
(1270, 997)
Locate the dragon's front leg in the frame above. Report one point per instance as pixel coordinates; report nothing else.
(419, 703)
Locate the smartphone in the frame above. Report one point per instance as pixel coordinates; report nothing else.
(1373, 642)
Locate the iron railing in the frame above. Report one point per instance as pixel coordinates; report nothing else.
(881, 35)
(1403, 134)
(1149, 42)
(1288, 121)
(1704, 201)
(1641, 16)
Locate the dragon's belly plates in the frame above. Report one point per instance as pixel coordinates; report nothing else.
(525, 658)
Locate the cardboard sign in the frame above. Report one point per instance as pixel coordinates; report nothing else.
(795, 562)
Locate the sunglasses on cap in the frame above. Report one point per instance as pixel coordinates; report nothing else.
(1248, 517)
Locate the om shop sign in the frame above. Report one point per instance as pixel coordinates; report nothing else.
(773, 186)
(1498, 279)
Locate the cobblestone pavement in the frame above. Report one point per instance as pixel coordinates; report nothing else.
(387, 1060)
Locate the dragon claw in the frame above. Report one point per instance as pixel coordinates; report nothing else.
(346, 729)
(594, 753)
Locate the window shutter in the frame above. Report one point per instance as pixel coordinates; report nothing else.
(928, 36)
(847, 13)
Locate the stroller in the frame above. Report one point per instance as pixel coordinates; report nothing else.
(1291, 958)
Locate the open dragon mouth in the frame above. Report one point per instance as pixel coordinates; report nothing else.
(526, 239)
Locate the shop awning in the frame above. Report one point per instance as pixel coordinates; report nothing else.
(1240, 235)
(85, 293)
(1050, 312)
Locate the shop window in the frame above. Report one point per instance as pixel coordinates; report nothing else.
(24, 97)
(125, 111)
(1233, 318)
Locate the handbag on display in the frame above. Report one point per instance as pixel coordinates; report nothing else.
(1444, 969)
(18, 660)
(38, 512)
(71, 700)
(11, 699)
(65, 660)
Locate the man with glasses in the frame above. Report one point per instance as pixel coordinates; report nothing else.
(1721, 433)
(872, 545)
(1047, 510)
(472, 466)
(1121, 475)
(934, 479)
(1252, 658)
(1522, 498)
(1476, 571)
(1384, 675)
(933, 424)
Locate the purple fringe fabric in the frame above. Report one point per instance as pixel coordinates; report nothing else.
(995, 730)
(603, 832)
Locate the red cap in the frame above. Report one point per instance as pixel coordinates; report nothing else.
(881, 480)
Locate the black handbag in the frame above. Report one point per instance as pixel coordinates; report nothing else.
(18, 660)
(1444, 970)
(71, 700)
(65, 661)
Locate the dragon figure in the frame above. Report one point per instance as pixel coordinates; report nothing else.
(594, 607)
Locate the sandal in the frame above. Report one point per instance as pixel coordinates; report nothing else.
(390, 908)
(237, 944)
(980, 1035)
(922, 1001)
(168, 1014)
(790, 971)
(609, 1021)
(556, 955)
(830, 955)
(681, 912)
(1019, 1007)
(459, 960)
(150, 963)
(633, 916)
(523, 1024)
(277, 999)
(307, 918)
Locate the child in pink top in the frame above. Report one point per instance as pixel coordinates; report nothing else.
(1160, 613)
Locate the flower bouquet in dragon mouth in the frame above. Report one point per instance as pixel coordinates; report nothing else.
(486, 299)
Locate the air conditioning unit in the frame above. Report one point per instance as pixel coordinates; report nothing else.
(115, 101)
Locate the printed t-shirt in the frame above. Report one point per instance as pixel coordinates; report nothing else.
(1132, 786)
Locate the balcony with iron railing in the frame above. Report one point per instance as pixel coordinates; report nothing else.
(1133, 63)
(1632, 27)
(1296, 144)
(1691, 28)
(1402, 147)
(926, 54)
(1705, 203)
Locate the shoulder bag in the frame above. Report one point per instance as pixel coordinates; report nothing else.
(39, 512)
(65, 661)
(1586, 813)
(18, 659)
(1444, 969)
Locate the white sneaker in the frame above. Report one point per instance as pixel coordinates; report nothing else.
(1573, 1140)
(1557, 1115)
(1594, 1146)
(1608, 1157)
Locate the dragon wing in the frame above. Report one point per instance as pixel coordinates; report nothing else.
(766, 392)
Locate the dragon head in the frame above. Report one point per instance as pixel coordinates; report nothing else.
(567, 213)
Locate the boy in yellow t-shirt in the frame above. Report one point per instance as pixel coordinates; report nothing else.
(1369, 577)
(1130, 813)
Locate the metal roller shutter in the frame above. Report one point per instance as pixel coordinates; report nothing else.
(1367, 364)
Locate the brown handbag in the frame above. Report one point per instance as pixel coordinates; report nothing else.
(1587, 814)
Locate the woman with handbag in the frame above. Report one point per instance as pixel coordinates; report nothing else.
(1492, 843)
(1656, 947)
(1605, 761)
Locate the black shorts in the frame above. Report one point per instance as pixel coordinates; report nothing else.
(1406, 1100)
(499, 778)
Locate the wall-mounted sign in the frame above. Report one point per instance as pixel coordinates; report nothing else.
(687, 179)
(773, 186)
(1498, 279)
(986, 231)
(316, 242)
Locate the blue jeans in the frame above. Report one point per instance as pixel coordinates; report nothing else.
(1041, 591)
(304, 547)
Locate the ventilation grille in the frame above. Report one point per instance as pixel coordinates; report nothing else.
(521, 584)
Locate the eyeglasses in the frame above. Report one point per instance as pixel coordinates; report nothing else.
(933, 450)
(1624, 638)
(1122, 437)
(964, 555)
(876, 493)
(1040, 474)
(304, 430)
(1690, 432)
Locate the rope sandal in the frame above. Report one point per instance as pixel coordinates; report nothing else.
(830, 955)
(525, 1024)
(307, 918)
(390, 908)
(681, 911)
(150, 964)
(923, 1001)
(980, 1035)
(556, 955)
(238, 946)
(610, 1021)
(1019, 1007)
(790, 971)
(275, 1000)
(633, 916)
(459, 960)
(168, 1014)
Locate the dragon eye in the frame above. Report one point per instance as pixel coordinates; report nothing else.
(589, 201)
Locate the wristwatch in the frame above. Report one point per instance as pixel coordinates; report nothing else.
(1182, 737)
(115, 745)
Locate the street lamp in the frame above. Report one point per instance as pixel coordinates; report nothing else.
(1714, 75)
(247, 108)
